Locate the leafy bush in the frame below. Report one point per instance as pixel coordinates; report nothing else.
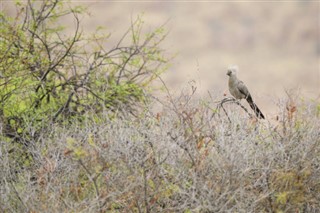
(49, 75)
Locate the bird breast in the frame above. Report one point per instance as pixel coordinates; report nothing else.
(234, 90)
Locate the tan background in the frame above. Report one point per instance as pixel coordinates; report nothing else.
(275, 44)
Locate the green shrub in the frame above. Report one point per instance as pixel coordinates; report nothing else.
(49, 75)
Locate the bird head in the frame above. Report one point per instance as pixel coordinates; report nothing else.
(232, 70)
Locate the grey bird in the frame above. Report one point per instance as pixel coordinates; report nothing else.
(239, 90)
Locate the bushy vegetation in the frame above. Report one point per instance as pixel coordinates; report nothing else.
(186, 158)
(51, 75)
(83, 137)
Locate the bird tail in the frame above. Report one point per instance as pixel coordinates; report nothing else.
(255, 108)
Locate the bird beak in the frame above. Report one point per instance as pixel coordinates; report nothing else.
(229, 73)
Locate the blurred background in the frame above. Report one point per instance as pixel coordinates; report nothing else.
(275, 44)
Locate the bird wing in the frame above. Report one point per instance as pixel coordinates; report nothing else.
(243, 89)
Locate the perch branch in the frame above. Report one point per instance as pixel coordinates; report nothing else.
(232, 100)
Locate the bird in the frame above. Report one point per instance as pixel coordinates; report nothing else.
(240, 91)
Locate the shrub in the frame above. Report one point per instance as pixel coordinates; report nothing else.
(185, 158)
(49, 75)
